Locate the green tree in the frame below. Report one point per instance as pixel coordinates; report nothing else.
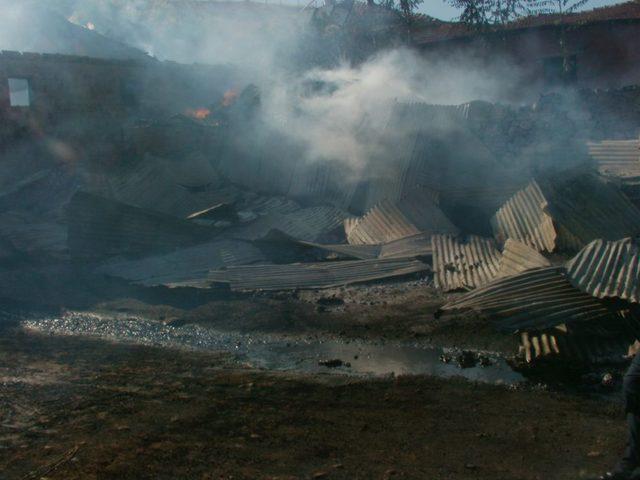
(486, 13)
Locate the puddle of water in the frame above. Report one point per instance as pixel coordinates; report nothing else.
(277, 352)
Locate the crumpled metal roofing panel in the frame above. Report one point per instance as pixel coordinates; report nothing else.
(566, 212)
(416, 245)
(585, 208)
(34, 235)
(595, 346)
(308, 224)
(151, 184)
(99, 226)
(535, 299)
(608, 269)
(316, 275)
(361, 252)
(186, 265)
(464, 264)
(524, 218)
(349, 223)
(518, 257)
(389, 221)
(617, 158)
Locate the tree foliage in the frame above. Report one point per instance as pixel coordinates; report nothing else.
(406, 8)
(538, 7)
(482, 13)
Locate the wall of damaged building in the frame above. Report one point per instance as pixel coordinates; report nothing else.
(601, 55)
(89, 114)
(64, 87)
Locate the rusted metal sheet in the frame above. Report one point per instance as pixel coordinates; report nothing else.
(535, 299)
(317, 275)
(566, 213)
(98, 226)
(389, 221)
(464, 263)
(617, 158)
(185, 266)
(518, 257)
(608, 269)
(524, 218)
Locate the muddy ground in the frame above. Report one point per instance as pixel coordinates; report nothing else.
(73, 408)
(86, 409)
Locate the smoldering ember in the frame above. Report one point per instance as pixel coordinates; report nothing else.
(341, 240)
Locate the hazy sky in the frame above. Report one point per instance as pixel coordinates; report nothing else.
(440, 9)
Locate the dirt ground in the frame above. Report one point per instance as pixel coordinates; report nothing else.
(86, 409)
(402, 310)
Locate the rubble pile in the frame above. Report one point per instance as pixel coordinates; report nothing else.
(546, 253)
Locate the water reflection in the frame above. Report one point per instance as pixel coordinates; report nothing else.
(276, 352)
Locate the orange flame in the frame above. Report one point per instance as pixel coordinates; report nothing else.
(198, 113)
(229, 97)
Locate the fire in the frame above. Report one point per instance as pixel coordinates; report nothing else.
(229, 97)
(199, 113)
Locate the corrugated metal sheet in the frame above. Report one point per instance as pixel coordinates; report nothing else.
(518, 257)
(258, 205)
(326, 181)
(389, 221)
(608, 269)
(535, 299)
(361, 252)
(566, 212)
(413, 246)
(98, 226)
(185, 266)
(617, 158)
(427, 144)
(309, 224)
(316, 275)
(44, 191)
(586, 208)
(524, 218)
(463, 263)
(34, 236)
(349, 224)
(153, 185)
(572, 348)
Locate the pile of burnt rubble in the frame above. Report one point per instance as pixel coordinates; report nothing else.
(561, 268)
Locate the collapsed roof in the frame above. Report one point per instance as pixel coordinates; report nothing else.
(388, 221)
(608, 269)
(566, 213)
(535, 299)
